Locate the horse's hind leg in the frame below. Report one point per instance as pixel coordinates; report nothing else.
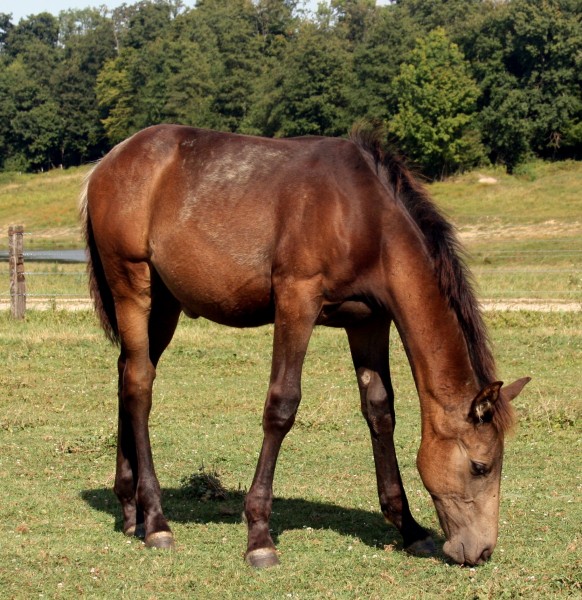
(296, 311)
(369, 348)
(147, 317)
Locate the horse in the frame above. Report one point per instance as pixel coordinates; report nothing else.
(298, 232)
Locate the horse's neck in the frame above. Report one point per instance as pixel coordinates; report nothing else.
(429, 329)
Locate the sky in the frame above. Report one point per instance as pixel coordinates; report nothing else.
(23, 8)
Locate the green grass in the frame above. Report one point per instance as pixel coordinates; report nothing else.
(46, 204)
(60, 529)
(44, 279)
(549, 192)
(524, 233)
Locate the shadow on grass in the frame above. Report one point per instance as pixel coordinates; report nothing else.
(288, 513)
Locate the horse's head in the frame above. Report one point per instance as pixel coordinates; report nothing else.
(460, 460)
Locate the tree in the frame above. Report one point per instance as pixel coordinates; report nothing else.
(189, 85)
(436, 101)
(118, 96)
(526, 58)
(29, 121)
(308, 92)
(452, 15)
(32, 129)
(42, 28)
(131, 89)
(352, 18)
(73, 85)
(5, 27)
(386, 44)
(136, 25)
(276, 19)
(231, 27)
(88, 41)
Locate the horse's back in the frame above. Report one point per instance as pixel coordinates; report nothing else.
(220, 215)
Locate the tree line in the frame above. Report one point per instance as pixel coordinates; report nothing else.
(456, 83)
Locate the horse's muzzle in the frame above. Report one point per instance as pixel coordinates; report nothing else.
(467, 555)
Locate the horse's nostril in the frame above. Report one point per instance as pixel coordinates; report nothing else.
(485, 555)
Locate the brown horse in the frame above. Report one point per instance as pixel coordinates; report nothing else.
(300, 232)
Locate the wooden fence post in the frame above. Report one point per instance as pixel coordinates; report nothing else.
(17, 282)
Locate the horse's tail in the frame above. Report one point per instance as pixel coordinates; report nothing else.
(98, 286)
(453, 277)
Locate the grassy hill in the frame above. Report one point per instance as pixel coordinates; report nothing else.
(46, 204)
(543, 202)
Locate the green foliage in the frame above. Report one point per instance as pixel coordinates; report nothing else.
(388, 41)
(527, 58)
(72, 86)
(48, 110)
(232, 26)
(436, 99)
(307, 93)
(88, 41)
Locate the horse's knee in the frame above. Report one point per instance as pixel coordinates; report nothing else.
(377, 403)
(136, 382)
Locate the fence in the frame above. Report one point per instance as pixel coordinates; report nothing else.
(16, 265)
(28, 268)
(505, 278)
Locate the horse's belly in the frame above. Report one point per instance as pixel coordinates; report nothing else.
(235, 297)
(230, 312)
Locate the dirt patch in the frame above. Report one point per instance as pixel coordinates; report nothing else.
(54, 233)
(547, 229)
(515, 304)
(518, 304)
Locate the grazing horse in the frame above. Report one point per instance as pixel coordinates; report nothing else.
(299, 232)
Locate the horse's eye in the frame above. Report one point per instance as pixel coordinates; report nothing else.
(478, 469)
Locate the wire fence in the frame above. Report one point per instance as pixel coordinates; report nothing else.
(40, 276)
(58, 278)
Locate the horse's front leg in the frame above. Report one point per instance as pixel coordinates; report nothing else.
(295, 315)
(369, 348)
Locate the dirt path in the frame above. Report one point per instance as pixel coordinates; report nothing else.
(548, 229)
(533, 305)
(514, 304)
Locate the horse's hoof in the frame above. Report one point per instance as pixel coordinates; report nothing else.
(160, 539)
(423, 547)
(137, 531)
(262, 558)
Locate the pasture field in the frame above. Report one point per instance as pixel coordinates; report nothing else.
(60, 526)
(46, 204)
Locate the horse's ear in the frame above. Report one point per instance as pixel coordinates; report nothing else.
(483, 405)
(513, 390)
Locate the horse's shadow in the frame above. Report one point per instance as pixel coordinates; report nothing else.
(288, 513)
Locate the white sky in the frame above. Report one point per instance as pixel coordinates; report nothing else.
(24, 8)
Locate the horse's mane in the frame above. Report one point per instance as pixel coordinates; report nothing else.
(453, 277)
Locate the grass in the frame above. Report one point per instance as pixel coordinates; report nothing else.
(548, 192)
(45, 279)
(46, 204)
(61, 523)
(524, 233)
